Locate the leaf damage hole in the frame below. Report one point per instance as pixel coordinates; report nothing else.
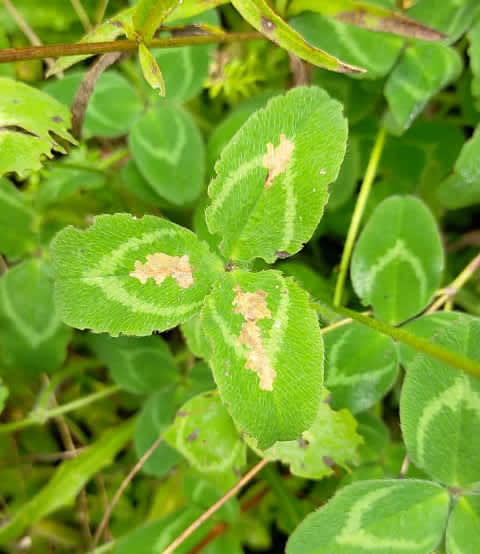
(277, 159)
(159, 266)
(253, 307)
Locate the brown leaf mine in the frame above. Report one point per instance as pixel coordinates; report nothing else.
(159, 266)
(252, 306)
(277, 159)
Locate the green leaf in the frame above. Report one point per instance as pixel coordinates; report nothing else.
(398, 260)
(261, 16)
(343, 188)
(205, 434)
(423, 70)
(462, 188)
(267, 354)
(195, 338)
(104, 118)
(360, 366)
(62, 183)
(474, 54)
(331, 440)
(271, 184)
(156, 416)
(463, 531)
(440, 410)
(370, 16)
(68, 480)
(168, 149)
(18, 222)
(32, 336)
(140, 365)
(375, 435)
(132, 276)
(373, 51)
(427, 326)
(150, 14)
(150, 69)
(30, 120)
(449, 16)
(140, 187)
(3, 395)
(376, 517)
(319, 288)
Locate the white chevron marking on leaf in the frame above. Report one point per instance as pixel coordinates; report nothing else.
(353, 534)
(398, 252)
(240, 173)
(459, 394)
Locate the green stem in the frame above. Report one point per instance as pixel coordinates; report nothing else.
(104, 548)
(454, 359)
(38, 417)
(90, 48)
(75, 366)
(358, 213)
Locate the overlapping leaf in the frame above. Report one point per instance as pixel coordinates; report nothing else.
(131, 276)
(156, 416)
(261, 16)
(423, 70)
(368, 15)
(67, 481)
(195, 338)
(474, 53)
(138, 364)
(104, 118)
(375, 517)
(463, 531)
(449, 16)
(440, 410)
(360, 366)
(205, 434)
(31, 124)
(271, 184)
(428, 326)
(267, 354)
(150, 14)
(169, 152)
(18, 222)
(331, 440)
(375, 52)
(398, 260)
(3, 395)
(462, 188)
(32, 336)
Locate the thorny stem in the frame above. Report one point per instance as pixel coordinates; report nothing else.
(454, 359)
(199, 521)
(38, 418)
(90, 48)
(358, 213)
(451, 290)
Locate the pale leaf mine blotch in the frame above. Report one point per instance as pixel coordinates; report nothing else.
(159, 266)
(277, 159)
(253, 307)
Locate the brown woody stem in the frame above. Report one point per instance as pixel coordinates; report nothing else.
(59, 50)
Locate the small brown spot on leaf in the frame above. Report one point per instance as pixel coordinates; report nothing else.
(182, 414)
(302, 443)
(282, 254)
(57, 119)
(277, 159)
(328, 461)
(192, 436)
(268, 25)
(159, 266)
(253, 307)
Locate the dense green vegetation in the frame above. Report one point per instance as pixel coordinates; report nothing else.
(239, 299)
